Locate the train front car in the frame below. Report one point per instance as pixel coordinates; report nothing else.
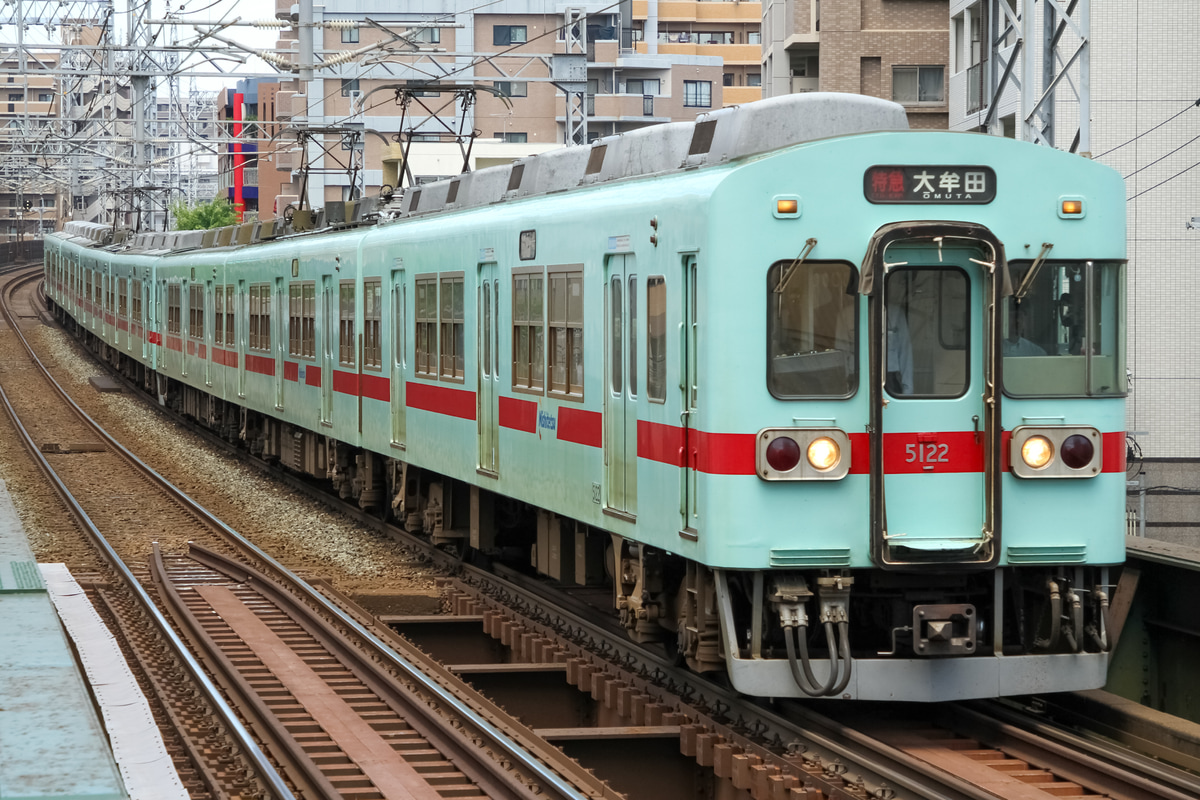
(933, 359)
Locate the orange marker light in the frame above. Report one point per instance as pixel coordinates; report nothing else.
(786, 206)
(1072, 206)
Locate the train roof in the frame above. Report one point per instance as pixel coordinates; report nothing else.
(718, 137)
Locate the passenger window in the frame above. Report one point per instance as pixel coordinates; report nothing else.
(812, 329)
(928, 324)
(1064, 322)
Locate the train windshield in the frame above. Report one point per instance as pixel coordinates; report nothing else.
(812, 329)
(1064, 329)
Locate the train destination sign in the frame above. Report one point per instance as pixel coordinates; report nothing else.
(930, 184)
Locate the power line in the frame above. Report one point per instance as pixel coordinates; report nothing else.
(1152, 130)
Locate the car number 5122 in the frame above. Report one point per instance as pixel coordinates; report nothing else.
(926, 453)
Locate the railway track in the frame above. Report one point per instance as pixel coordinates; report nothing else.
(637, 706)
(121, 524)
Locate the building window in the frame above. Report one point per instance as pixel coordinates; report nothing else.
(642, 86)
(518, 137)
(754, 37)
(697, 94)
(349, 35)
(349, 86)
(372, 314)
(45, 97)
(505, 35)
(918, 84)
(513, 88)
(346, 323)
(260, 317)
(452, 337)
(428, 36)
(754, 79)
(15, 97)
(528, 346)
(566, 332)
(302, 319)
(727, 79)
(426, 326)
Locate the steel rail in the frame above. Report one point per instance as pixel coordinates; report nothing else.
(267, 773)
(500, 739)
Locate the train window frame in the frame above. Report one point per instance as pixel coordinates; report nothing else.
(175, 308)
(1092, 285)
(854, 360)
(135, 301)
(260, 317)
(656, 338)
(219, 315)
(196, 311)
(302, 320)
(123, 298)
(347, 298)
(372, 356)
(967, 366)
(425, 326)
(571, 325)
(533, 353)
(452, 357)
(231, 315)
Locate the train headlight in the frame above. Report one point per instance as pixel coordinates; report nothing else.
(1037, 452)
(1065, 451)
(802, 454)
(824, 454)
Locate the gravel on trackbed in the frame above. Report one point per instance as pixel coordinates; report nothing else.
(301, 533)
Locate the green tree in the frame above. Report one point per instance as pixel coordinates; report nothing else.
(214, 214)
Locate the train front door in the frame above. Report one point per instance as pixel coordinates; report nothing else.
(488, 397)
(621, 386)
(933, 326)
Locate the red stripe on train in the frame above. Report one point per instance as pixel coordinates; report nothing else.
(580, 426)
(260, 364)
(520, 415)
(440, 400)
(376, 387)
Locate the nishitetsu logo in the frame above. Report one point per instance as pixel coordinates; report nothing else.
(547, 421)
(930, 184)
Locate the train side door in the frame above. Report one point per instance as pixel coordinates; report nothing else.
(329, 312)
(280, 334)
(488, 356)
(239, 308)
(620, 383)
(208, 332)
(932, 476)
(689, 390)
(399, 356)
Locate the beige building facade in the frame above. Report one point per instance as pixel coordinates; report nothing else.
(894, 49)
(647, 62)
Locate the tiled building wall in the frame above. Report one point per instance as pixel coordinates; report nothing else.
(1145, 83)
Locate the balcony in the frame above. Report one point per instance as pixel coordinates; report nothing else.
(801, 84)
(618, 107)
(743, 54)
(737, 95)
(684, 11)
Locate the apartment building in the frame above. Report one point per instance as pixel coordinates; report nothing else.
(894, 49)
(262, 183)
(643, 62)
(30, 203)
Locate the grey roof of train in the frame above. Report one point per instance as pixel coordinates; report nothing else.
(718, 137)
